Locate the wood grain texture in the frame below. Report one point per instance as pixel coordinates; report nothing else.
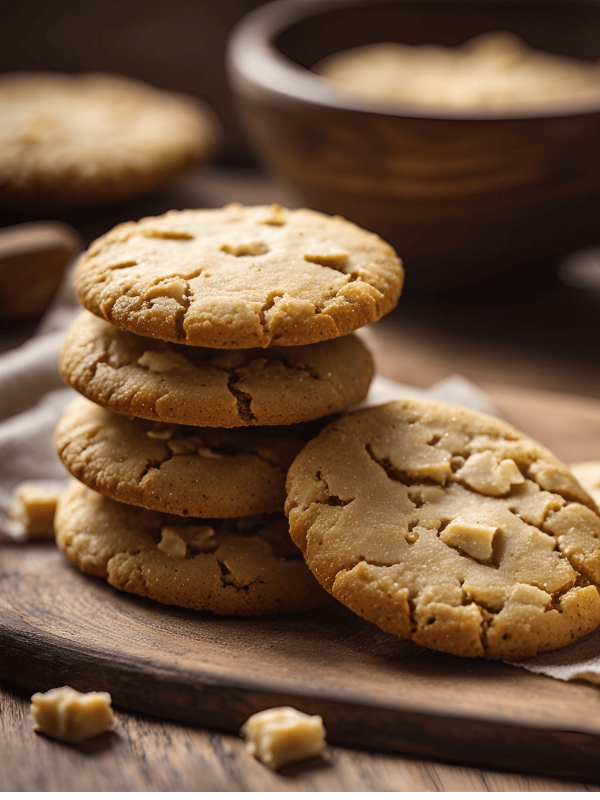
(147, 754)
(373, 689)
(421, 343)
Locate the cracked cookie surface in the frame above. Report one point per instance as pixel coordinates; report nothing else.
(166, 382)
(245, 567)
(240, 277)
(73, 140)
(450, 528)
(189, 471)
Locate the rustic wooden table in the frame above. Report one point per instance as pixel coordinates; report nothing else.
(531, 338)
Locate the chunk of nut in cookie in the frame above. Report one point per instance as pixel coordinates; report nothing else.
(279, 736)
(34, 507)
(71, 716)
(199, 537)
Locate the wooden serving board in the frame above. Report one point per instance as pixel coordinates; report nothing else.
(373, 690)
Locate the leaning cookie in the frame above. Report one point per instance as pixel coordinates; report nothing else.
(448, 527)
(213, 388)
(78, 140)
(240, 277)
(196, 472)
(245, 567)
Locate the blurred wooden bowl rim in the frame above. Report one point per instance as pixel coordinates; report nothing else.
(254, 58)
(465, 196)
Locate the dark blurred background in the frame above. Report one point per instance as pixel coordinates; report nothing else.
(535, 332)
(177, 45)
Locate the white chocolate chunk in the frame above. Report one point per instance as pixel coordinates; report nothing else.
(175, 289)
(476, 540)
(172, 544)
(282, 735)
(206, 453)
(553, 480)
(485, 474)
(163, 434)
(510, 472)
(248, 249)
(532, 504)
(410, 453)
(332, 260)
(162, 362)
(530, 595)
(197, 536)
(34, 508)
(71, 716)
(181, 447)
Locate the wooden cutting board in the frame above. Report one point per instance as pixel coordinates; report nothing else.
(373, 690)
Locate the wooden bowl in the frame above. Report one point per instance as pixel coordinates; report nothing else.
(463, 195)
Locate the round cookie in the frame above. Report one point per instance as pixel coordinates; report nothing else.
(75, 140)
(156, 380)
(197, 472)
(448, 527)
(240, 277)
(247, 567)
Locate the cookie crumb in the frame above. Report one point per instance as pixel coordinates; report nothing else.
(34, 508)
(71, 716)
(279, 736)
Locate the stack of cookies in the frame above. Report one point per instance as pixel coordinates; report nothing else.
(215, 345)
(215, 348)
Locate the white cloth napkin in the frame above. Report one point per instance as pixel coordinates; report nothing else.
(33, 398)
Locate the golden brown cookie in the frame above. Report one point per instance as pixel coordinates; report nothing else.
(75, 140)
(197, 472)
(448, 527)
(240, 277)
(146, 378)
(247, 567)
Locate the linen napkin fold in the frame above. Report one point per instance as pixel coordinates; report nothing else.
(33, 398)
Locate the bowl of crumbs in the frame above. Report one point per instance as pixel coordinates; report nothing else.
(465, 133)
